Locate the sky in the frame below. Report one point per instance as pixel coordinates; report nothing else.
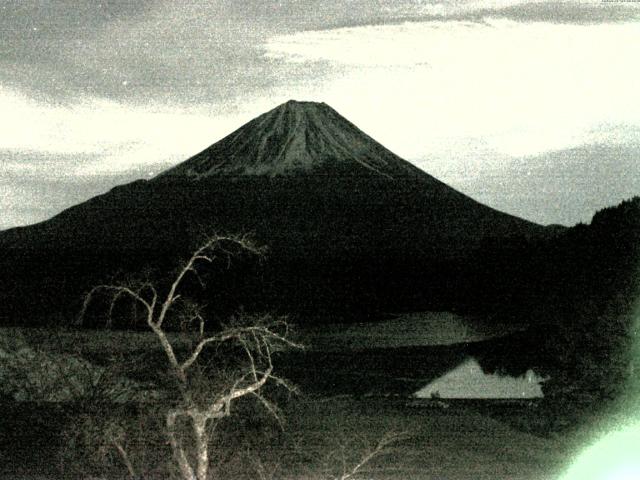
(531, 107)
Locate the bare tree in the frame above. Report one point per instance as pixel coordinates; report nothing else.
(256, 337)
(354, 454)
(351, 471)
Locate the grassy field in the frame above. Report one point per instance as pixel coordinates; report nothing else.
(457, 443)
(350, 400)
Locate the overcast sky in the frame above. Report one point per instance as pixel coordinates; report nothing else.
(530, 107)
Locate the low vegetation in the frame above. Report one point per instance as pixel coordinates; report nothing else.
(320, 436)
(175, 424)
(193, 397)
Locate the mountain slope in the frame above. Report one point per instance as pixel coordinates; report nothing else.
(351, 227)
(292, 139)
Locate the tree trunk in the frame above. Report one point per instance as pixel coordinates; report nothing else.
(183, 463)
(202, 446)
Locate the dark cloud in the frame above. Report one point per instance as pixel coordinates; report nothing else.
(569, 13)
(180, 52)
(43, 39)
(195, 51)
(36, 30)
(551, 11)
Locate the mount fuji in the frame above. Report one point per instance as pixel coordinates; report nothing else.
(350, 226)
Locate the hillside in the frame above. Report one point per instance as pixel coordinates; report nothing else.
(580, 295)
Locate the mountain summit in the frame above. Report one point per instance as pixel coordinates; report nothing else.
(294, 138)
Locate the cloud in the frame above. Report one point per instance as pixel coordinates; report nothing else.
(35, 186)
(210, 52)
(32, 198)
(584, 12)
(456, 8)
(103, 136)
(519, 88)
(565, 186)
(179, 52)
(554, 11)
